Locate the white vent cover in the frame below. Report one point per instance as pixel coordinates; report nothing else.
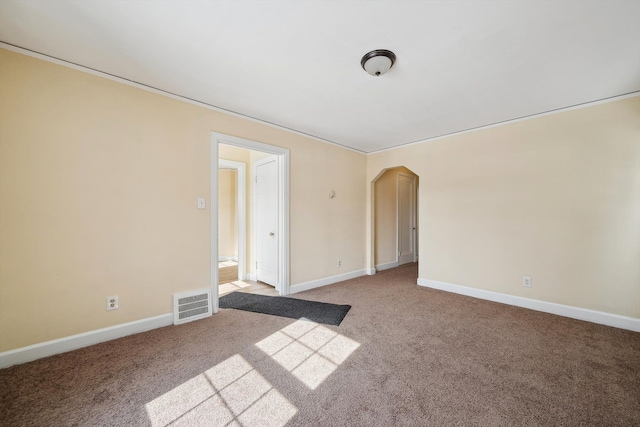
(191, 305)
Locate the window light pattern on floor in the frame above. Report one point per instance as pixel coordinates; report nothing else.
(233, 393)
(311, 352)
(230, 393)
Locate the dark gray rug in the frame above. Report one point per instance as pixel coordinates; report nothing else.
(319, 312)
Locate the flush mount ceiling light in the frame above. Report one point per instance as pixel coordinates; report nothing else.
(377, 62)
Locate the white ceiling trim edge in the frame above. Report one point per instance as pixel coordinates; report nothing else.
(510, 121)
(118, 79)
(112, 77)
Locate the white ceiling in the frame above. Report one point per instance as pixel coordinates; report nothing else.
(296, 64)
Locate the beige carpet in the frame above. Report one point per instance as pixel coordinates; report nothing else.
(404, 355)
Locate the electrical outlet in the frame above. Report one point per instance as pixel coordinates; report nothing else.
(526, 281)
(112, 303)
(339, 263)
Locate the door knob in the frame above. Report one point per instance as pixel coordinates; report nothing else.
(271, 234)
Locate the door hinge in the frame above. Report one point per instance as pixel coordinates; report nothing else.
(256, 178)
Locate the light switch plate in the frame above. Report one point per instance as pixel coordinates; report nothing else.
(202, 204)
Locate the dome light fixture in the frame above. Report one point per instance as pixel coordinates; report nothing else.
(377, 62)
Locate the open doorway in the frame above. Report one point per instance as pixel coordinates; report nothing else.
(395, 218)
(243, 157)
(228, 225)
(231, 224)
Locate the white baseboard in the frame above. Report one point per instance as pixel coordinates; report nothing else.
(600, 317)
(387, 265)
(252, 277)
(222, 258)
(326, 281)
(371, 271)
(74, 342)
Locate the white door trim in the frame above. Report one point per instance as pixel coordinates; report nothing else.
(241, 212)
(283, 193)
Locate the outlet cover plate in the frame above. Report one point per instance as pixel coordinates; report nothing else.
(112, 302)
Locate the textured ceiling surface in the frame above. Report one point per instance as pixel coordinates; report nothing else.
(460, 65)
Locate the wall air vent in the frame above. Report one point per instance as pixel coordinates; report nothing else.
(191, 305)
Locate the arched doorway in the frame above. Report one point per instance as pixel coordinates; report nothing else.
(394, 218)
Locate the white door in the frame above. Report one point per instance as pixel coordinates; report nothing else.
(266, 220)
(406, 218)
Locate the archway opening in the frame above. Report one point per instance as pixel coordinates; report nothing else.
(394, 211)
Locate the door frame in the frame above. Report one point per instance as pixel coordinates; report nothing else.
(241, 212)
(284, 286)
(372, 240)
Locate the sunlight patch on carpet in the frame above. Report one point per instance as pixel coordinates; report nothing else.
(311, 352)
(230, 391)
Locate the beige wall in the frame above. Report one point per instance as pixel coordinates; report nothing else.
(555, 197)
(98, 189)
(322, 224)
(99, 180)
(227, 213)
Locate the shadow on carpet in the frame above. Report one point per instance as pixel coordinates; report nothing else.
(319, 312)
